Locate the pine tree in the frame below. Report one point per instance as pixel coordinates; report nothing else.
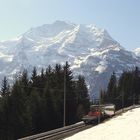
(58, 93)
(112, 86)
(136, 83)
(48, 71)
(5, 126)
(24, 78)
(71, 102)
(42, 73)
(49, 111)
(35, 104)
(82, 97)
(34, 77)
(24, 82)
(20, 117)
(103, 96)
(5, 88)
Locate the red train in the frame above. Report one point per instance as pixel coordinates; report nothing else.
(99, 112)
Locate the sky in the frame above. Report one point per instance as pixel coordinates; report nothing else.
(121, 18)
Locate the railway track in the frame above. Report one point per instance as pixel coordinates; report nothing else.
(61, 133)
(58, 134)
(126, 109)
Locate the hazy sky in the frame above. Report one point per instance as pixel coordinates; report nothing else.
(120, 17)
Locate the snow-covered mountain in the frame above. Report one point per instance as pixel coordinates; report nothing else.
(137, 52)
(91, 51)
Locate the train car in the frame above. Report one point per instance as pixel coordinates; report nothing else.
(99, 112)
(109, 110)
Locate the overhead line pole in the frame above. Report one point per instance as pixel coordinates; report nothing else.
(123, 101)
(133, 100)
(64, 115)
(99, 117)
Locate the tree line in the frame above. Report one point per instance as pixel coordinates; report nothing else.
(36, 104)
(123, 91)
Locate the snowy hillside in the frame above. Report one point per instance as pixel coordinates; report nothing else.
(123, 127)
(91, 51)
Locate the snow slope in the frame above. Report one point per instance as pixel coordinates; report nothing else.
(90, 50)
(124, 127)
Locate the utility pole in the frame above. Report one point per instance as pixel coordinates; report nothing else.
(64, 115)
(99, 109)
(122, 101)
(133, 100)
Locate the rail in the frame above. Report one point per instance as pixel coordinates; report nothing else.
(64, 131)
(126, 109)
(57, 133)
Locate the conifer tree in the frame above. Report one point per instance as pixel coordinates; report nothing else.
(5, 88)
(24, 78)
(20, 117)
(24, 82)
(70, 95)
(82, 97)
(35, 104)
(25, 111)
(34, 77)
(136, 83)
(111, 89)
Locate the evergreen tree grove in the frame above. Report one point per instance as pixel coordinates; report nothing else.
(36, 104)
(125, 91)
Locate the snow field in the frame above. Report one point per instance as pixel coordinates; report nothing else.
(123, 127)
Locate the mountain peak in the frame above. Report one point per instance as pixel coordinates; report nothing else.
(63, 23)
(48, 30)
(90, 50)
